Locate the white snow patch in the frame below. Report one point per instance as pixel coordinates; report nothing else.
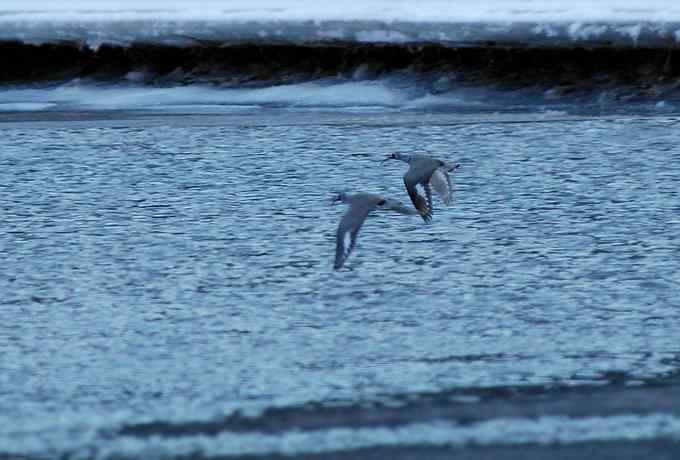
(581, 31)
(389, 36)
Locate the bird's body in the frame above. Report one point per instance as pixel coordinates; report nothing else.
(429, 173)
(360, 206)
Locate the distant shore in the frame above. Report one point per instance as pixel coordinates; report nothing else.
(569, 69)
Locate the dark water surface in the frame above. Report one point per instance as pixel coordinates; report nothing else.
(160, 272)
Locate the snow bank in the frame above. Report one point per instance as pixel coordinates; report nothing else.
(394, 21)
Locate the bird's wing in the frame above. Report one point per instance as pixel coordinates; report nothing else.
(349, 227)
(419, 202)
(397, 206)
(441, 182)
(428, 195)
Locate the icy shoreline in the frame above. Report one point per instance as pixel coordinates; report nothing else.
(540, 23)
(95, 32)
(615, 51)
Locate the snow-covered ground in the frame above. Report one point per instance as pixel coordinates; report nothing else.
(351, 10)
(543, 21)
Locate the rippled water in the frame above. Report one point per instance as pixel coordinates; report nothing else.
(169, 272)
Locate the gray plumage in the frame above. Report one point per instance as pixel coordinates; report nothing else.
(429, 173)
(360, 206)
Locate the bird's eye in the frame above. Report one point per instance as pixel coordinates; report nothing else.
(381, 202)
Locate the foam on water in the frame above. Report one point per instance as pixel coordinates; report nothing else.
(337, 94)
(348, 95)
(93, 444)
(544, 430)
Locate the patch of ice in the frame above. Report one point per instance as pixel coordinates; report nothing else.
(25, 106)
(306, 95)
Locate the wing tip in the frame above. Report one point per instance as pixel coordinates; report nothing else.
(426, 214)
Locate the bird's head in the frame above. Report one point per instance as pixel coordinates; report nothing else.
(338, 197)
(395, 156)
(450, 167)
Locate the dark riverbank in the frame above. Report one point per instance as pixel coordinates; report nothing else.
(572, 68)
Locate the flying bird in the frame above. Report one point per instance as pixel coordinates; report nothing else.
(429, 173)
(360, 206)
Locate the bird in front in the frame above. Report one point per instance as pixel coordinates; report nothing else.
(360, 206)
